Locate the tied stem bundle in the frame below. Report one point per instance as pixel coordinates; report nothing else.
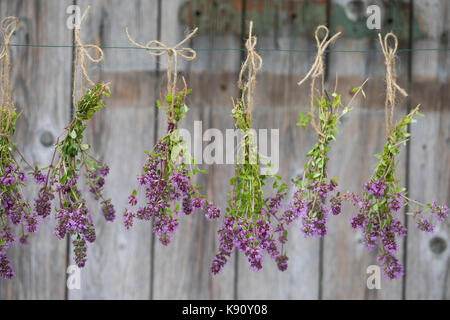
(17, 219)
(252, 222)
(317, 70)
(253, 63)
(317, 195)
(9, 26)
(71, 159)
(391, 79)
(157, 48)
(81, 54)
(382, 199)
(168, 173)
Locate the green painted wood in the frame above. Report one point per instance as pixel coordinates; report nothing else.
(270, 15)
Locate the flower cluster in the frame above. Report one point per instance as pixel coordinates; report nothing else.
(425, 213)
(76, 219)
(251, 224)
(72, 215)
(167, 180)
(15, 212)
(381, 202)
(309, 203)
(379, 229)
(317, 197)
(252, 238)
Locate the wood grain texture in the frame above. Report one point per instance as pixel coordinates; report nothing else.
(132, 264)
(429, 254)
(277, 102)
(119, 261)
(362, 134)
(182, 269)
(41, 89)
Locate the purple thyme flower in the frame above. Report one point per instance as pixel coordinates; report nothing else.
(390, 268)
(376, 188)
(358, 221)
(80, 251)
(213, 212)
(187, 205)
(282, 262)
(396, 202)
(440, 212)
(128, 219)
(336, 205)
(108, 210)
(39, 178)
(424, 225)
(132, 200)
(6, 270)
(43, 204)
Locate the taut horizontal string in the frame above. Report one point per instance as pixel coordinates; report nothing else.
(237, 49)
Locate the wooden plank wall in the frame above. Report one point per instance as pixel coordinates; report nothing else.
(42, 89)
(132, 264)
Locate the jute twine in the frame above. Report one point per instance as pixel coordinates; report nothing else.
(81, 54)
(8, 25)
(157, 48)
(317, 70)
(253, 63)
(391, 79)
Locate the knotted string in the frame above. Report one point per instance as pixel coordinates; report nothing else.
(391, 78)
(253, 63)
(157, 48)
(9, 26)
(317, 69)
(81, 54)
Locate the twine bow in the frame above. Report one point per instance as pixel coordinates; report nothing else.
(9, 26)
(317, 69)
(81, 54)
(391, 78)
(253, 63)
(157, 48)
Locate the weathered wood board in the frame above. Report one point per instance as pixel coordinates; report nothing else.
(429, 254)
(182, 270)
(362, 134)
(41, 82)
(119, 262)
(133, 264)
(278, 100)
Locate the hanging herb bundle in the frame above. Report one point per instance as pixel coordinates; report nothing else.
(71, 158)
(252, 223)
(382, 198)
(168, 172)
(15, 212)
(315, 187)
